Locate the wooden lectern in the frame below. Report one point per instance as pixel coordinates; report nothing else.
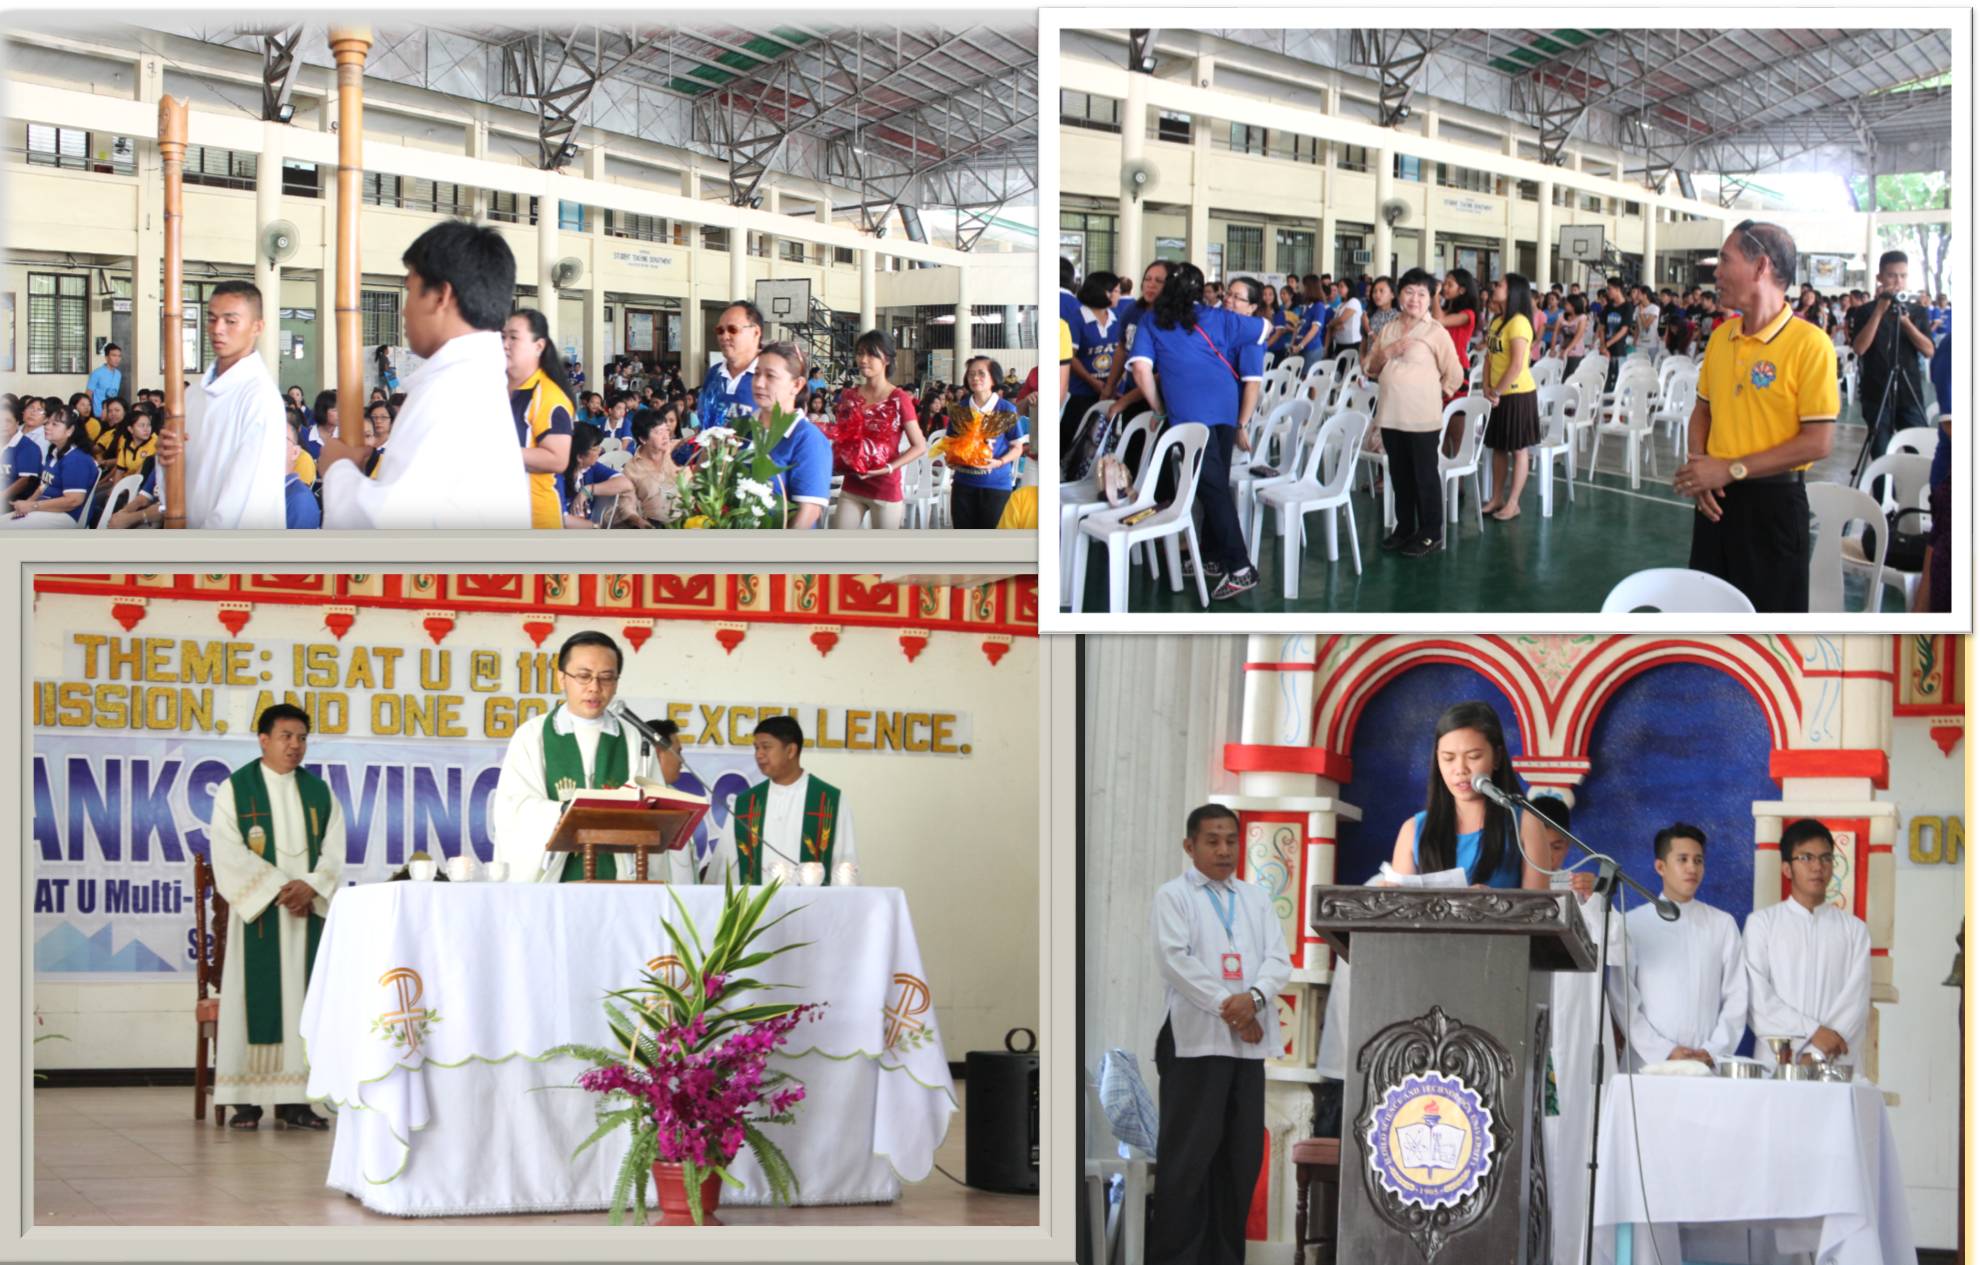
(591, 828)
(1441, 1153)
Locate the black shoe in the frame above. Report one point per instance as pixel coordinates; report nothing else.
(1395, 540)
(1235, 583)
(1211, 571)
(1417, 548)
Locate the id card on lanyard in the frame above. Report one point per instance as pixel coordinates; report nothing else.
(1233, 961)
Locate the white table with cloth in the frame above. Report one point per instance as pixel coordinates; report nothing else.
(1749, 1172)
(432, 1005)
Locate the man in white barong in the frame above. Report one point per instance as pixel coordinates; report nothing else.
(1807, 961)
(579, 743)
(453, 460)
(1687, 979)
(791, 815)
(277, 847)
(236, 450)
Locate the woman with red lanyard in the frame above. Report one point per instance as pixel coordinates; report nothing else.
(866, 438)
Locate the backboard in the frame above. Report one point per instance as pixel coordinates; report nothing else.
(786, 302)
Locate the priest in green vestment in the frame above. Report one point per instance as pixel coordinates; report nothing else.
(791, 814)
(277, 847)
(578, 744)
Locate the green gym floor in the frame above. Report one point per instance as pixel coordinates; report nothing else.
(1531, 564)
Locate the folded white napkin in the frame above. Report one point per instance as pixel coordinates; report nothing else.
(1677, 1067)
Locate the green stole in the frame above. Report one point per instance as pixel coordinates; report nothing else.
(821, 816)
(261, 955)
(563, 768)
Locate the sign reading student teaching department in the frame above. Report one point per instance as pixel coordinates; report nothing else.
(642, 259)
(133, 738)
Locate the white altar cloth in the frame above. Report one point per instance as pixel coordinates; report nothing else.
(471, 1118)
(1750, 1171)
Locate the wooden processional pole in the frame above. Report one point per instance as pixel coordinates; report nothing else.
(349, 45)
(172, 147)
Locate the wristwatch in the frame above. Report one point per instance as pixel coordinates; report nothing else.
(1737, 470)
(1258, 1000)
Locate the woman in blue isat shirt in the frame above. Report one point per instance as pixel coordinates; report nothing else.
(976, 499)
(70, 474)
(1459, 828)
(590, 480)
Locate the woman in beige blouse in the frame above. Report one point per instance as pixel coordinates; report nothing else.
(1416, 366)
(655, 477)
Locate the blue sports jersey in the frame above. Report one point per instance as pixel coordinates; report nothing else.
(22, 459)
(722, 401)
(301, 507)
(1200, 367)
(806, 456)
(74, 471)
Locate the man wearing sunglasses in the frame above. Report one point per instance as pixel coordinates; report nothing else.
(1807, 961)
(727, 393)
(1766, 411)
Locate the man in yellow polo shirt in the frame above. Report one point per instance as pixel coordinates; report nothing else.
(1766, 411)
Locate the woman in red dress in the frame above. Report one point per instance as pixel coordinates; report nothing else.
(866, 436)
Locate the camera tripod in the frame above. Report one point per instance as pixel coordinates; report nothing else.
(1886, 401)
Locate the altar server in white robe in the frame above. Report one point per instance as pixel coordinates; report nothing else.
(792, 814)
(453, 460)
(579, 743)
(237, 450)
(1687, 979)
(1807, 961)
(277, 848)
(1570, 1089)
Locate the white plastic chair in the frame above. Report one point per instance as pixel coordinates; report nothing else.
(1319, 384)
(1078, 500)
(1674, 409)
(1293, 364)
(1583, 408)
(1475, 410)
(120, 495)
(1546, 372)
(1835, 507)
(1674, 590)
(611, 444)
(616, 458)
(1555, 442)
(1325, 483)
(1848, 369)
(1274, 458)
(1907, 484)
(1923, 440)
(1167, 525)
(1631, 422)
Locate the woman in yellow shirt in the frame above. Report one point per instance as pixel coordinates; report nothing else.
(1515, 422)
(540, 396)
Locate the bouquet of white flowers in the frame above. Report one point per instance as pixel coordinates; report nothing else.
(732, 481)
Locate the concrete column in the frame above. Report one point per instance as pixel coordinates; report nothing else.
(594, 340)
(867, 317)
(965, 345)
(1543, 248)
(326, 274)
(268, 209)
(546, 253)
(477, 147)
(1199, 197)
(1385, 188)
(1650, 244)
(1872, 245)
(1430, 121)
(739, 264)
(773, 203)
(1128, 260)
(144, 364)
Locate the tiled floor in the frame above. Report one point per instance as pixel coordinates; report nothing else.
(1532, 564)
(137, 1157)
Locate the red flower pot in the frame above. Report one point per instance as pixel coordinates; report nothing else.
(671, 1182)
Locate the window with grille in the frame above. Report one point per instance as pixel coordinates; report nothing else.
(643, 228)
(1295, 251)
(793, 251)
(378, 189)
(1080, 109)
(1454, 177)
(843, 255)
(1306, 149)
(380, 312)
(1632, 208)
(1408, 168)
(80, 150)
(713, 238)
(1590, 202)
(1352, 158)
(508, 208)
(1246, 139)
(1244, 249)
(220, 168)
(300, 180)
(1170, 126)
(1099, 230)
(435, 196)
(570, 217)
(1529, 190)
(58, 323)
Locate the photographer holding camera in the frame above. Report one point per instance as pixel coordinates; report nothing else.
(1889, 334)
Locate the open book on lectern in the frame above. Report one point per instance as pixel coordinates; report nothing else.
(685, 808)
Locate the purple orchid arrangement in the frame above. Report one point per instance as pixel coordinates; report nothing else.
(690, 1076)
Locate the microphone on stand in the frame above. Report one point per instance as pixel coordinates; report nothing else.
(662, 741)
(1483, 784)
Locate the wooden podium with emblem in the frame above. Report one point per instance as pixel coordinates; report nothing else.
(1448, 1032)
(634, 821)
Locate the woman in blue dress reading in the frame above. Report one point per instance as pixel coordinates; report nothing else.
(1461, 829)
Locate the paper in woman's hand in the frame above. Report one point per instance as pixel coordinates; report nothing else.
(1443, 878)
